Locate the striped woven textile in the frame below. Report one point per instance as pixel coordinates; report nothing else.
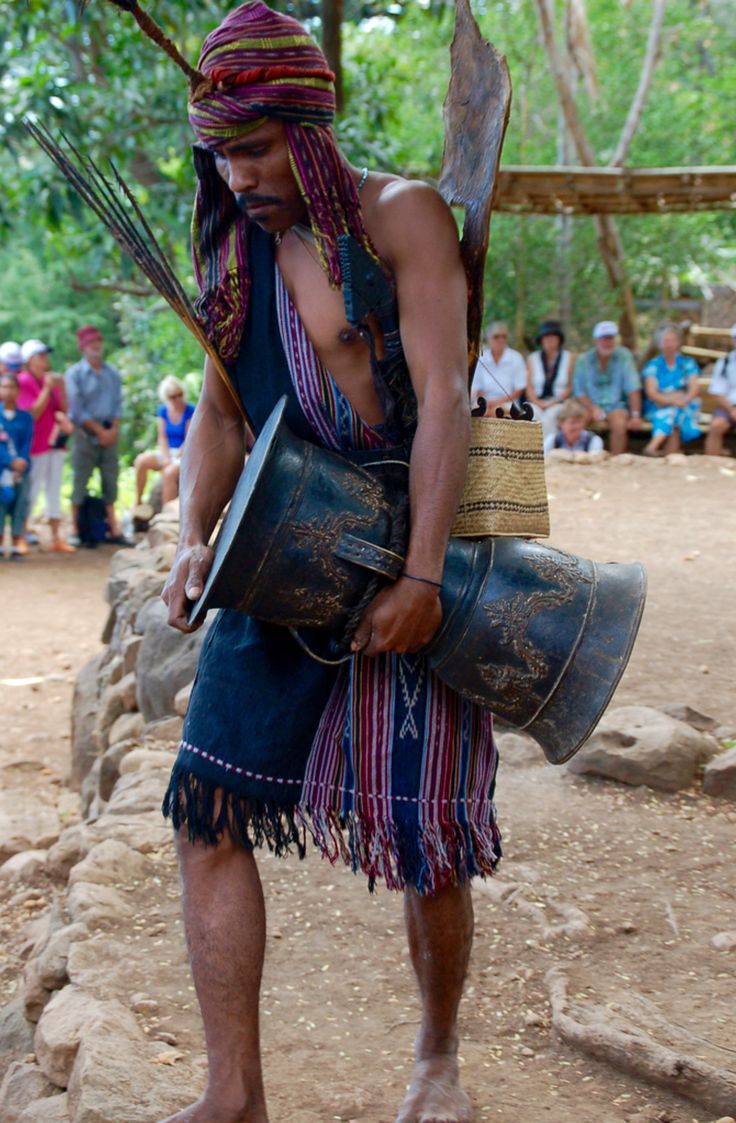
(262, 65)
(399, 761)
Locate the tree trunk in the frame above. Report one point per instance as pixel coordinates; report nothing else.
(332, 16)
(564, 231)
(609, 240)
(645, 80)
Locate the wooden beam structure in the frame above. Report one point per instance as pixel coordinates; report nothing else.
(612, 191)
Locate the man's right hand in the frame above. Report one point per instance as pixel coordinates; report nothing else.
(185, 584)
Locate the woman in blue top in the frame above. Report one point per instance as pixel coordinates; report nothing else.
(173, 417)
(672, 387)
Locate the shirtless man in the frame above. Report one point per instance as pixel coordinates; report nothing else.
(415, 236)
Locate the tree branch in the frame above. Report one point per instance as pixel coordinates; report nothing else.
(651, 58)
(559, 65)
(110, 286)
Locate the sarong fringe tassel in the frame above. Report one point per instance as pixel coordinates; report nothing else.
(428, 857)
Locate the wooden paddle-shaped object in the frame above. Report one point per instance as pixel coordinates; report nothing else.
(476, 114)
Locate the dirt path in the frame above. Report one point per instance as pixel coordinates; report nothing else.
(652, 874)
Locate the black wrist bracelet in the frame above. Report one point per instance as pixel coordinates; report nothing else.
(424, 580)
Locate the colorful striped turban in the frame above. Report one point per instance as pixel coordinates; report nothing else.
(260, 65)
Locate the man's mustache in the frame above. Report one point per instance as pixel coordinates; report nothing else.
(245, 201)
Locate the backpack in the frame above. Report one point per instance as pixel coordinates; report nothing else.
(92, 524)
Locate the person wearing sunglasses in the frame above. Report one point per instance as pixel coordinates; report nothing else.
(500, 374)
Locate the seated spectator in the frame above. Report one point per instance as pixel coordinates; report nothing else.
(671, 386)
(723, 387)
(607, 382)
(174, 415)
(500, 374)
(549, 380)
(16, 431)
(11, 360)
(571, 435)
(43, 394)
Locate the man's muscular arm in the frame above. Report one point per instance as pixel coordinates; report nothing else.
(213, 458)
(415, 233)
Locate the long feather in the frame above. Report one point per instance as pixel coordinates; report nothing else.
(118, 209)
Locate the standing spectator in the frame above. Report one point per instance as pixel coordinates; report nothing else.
(16, 433)
(572, 436)
(607, 382)
(11, 359)
(43, 394)
(500, 374)
(173, 417)
(549, 380)
(95, 406)
(723, 387)
(671, 384)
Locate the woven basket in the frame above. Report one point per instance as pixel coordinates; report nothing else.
(505, 489)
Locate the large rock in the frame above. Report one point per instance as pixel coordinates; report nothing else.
(60, 1030)
(72, 845)
(639, 745)
(168, 729)
(28, 867)
(181, 702)
(138, 792)
(25, 823)
(128, 727)
(130, 647)
(85, 704)
(145, 833)
(110, 765)
(110, 863)
(51, 962)
(16, 1032)
(51, 1109)
(35, 994)
(24, 1082)
(682, 712)
(111, 706)
(114, 1049)
(142, 759)
(167, 661)
(97, 906)
(720, 775)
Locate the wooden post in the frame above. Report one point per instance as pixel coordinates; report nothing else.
(332, 16)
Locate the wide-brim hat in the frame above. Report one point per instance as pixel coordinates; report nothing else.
(550, 327)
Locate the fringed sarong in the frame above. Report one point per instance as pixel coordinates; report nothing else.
(378, 760)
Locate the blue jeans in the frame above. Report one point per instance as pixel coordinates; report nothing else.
(18, 508)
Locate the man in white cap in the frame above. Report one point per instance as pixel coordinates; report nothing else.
(43, 394)
(607, 382)
(723, 388)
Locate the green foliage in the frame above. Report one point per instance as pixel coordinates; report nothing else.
(110, 90)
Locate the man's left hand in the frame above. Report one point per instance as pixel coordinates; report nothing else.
(402, 618)
(635, 423)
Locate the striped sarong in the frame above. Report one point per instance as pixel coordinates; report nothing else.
(378, 760)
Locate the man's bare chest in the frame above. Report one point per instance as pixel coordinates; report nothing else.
(341, 348)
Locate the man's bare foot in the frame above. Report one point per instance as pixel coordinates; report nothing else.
(435, 1095)
(205, 1110)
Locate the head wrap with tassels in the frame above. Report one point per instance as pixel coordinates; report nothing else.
(260, 64)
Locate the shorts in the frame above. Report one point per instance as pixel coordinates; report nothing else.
(719, 411)
(86, 456)
(174, 455)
